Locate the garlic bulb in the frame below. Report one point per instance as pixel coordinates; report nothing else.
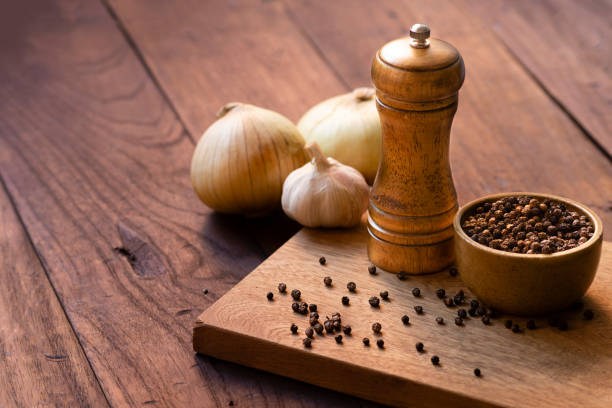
(347, 128)
(325, 193)
(243, 158)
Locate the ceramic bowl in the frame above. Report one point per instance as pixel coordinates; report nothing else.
(524, 284)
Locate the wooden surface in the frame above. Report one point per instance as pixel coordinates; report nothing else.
(101, 103)
(244, 327)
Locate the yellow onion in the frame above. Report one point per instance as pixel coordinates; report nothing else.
(242, 159)
(347, 128)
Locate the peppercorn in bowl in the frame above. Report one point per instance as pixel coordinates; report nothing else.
(527, 253)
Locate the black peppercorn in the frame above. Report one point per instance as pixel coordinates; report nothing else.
(486, 320)
(345, 300)
(472, 312)
(401, 275)
(508, 324)
(372, 269)
(474, 304)
(588, 314)
(337, 325)
(322, 260)
(318, 328)
(309, 332)
(516, 329)
(307, 342)
(418, 309)
(405, 319)
(416, 292)
(314, 318)
(458, 321)
(440, 320)
(336, 317)
(449, 302)
(294, 328)
(481, 311)
(531, 325)
(419, 346)
(380, 343)
(462, 313)
(440, 293)
(303, 308)
(295, 307)
(563, 325)
(312, 307)
(282, 288)
(296, 294)
(270, 295)
(458, 299)
(374, 301)
(329, 326)
(205, 291)
(435, 360)
(338, 338)
(384, 295)
(327, 280)
(376, 327)
(477, 372)
(366, 342)
(347, 330)
(453, 271)
(351, 286)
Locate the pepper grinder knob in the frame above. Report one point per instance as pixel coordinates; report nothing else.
(419, 34)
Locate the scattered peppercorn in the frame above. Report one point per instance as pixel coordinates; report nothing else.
(376, 327)
(366, 342)
(508, 324)
(462, 313)
(384, 295)
(516, 329)
(477, 372)
(303, 308)
(327, 280)
(295, 307)
(374, 301)
(314, 318)
(294, 328)
(531, 325)
(338, 338)
(416, 292)
(351, 286)
(588, 314)
(440, 320)
(440, 293)
(405, 319)
(322, 260)
(419, 346)
(270, 295)
(526, 225)
(418, 309)
(474, 304)
(347, 330)
(329, 326)
(309, 332)
(401, 275)
(296, 294)
(372, 269)
(481, 311)
(282, 288)
(435, 360)
(485, 320)
(458, 299)
(205, 291)
(318, 328)
(449, 302)
(563, 325)
(472, 312)
(453, 271)
(312, 307)
(458, 321)
(307, 342)
(380, 343)
(345, 300)
(231, 403)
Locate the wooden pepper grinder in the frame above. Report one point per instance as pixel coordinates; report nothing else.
(413, 199)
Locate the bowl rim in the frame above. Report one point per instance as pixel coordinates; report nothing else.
(597, 233)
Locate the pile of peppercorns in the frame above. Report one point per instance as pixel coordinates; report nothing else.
(526, 225)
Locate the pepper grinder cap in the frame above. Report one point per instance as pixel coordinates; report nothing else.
(417, 69)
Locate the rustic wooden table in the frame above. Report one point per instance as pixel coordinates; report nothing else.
(101, 103)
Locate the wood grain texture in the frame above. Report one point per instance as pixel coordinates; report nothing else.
(507, 134)
(545, 367)
(566, 46)
(41, 361)
(98, 166)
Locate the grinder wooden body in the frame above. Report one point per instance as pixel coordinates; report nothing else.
(413, 199)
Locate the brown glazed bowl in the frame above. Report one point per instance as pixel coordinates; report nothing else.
(524, 284)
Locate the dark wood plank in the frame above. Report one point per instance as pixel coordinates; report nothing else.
(566, 45)
(98, 166)
(507, 134)
(41, 361)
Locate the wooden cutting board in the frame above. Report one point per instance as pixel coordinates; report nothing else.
(535, 368)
